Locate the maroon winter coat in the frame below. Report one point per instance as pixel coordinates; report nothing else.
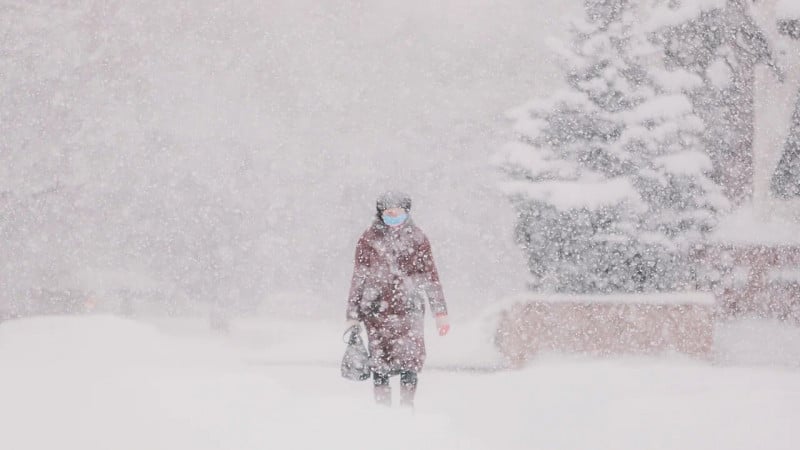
(394, 276)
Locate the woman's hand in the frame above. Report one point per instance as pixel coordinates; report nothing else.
(442, 324)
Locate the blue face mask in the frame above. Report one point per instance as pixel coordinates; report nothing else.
(394, 221)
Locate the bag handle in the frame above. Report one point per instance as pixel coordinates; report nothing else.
(354, 336)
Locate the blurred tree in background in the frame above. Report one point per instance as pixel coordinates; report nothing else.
(610, 176)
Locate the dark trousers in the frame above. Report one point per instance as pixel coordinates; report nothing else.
(408, 387)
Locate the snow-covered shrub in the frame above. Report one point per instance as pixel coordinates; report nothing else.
(609, 175)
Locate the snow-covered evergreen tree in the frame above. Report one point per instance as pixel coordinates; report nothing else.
(785, 181)
(609, 175)
(720, 41)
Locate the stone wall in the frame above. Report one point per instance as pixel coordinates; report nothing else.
(603, 326)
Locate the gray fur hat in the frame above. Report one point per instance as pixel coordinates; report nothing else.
(393, 199)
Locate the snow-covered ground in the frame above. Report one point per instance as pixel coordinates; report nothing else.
(100, 382)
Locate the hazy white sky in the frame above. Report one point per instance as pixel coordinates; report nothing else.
(303, 110)
(409, 95)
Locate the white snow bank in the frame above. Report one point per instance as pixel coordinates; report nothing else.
(787, 10)
(63, 386)
(628, 404)
(266, 341)
(557, 403)
(107, 340)
(757, 342)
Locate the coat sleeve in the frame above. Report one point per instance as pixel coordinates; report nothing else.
(432, 286)
(359, 280)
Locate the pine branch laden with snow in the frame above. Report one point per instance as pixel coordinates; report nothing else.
(609, 176)
(720, 42)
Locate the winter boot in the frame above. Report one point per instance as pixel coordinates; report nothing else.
(383, 392)
(408, 387)
(383, 395)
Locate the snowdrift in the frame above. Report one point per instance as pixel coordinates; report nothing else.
(102, 382)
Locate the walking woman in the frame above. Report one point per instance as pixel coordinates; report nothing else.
(394, 277)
